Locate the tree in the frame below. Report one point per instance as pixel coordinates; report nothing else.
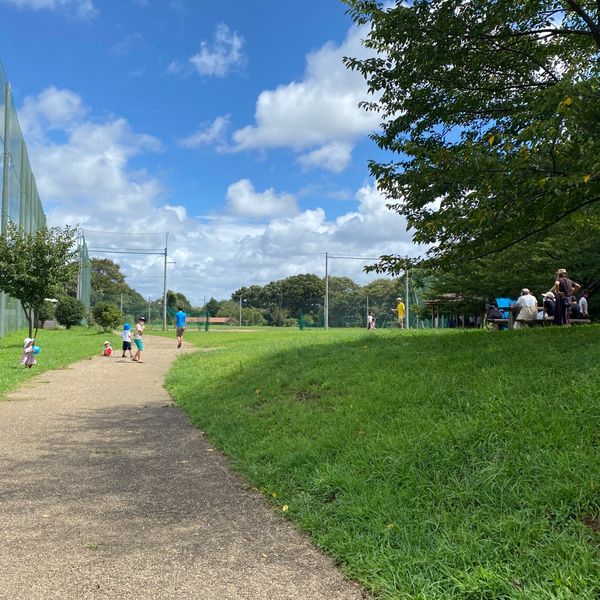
(493, 110)
(69, 311)
(572, 243)
(108, 284)
(107, 315)
(33, 266)
(212, 306)
(175, 300)
(252, 296)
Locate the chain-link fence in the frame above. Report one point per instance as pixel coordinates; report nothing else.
(20, 200)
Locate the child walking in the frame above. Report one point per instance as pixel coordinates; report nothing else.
(126, 337)
(28, 358)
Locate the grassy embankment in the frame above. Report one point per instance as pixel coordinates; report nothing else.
(60, 348)
(430, 465)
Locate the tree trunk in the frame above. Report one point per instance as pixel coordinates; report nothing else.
(27, 312)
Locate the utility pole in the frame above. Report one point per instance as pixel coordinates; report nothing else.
(240, 311)
(165, 286)
(326, 305)
(407, 296)
(148, 310)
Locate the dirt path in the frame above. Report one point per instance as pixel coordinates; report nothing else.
(107, 491)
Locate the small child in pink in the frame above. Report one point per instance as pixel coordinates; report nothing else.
(28, 358)
(107, 349)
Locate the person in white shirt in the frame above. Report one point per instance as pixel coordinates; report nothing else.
(528, 307)
(583, 305)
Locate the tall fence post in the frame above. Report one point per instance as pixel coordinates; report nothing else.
(5, 177)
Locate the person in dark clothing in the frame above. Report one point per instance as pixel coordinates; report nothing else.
(563, 289)
(549, 304)
(575, 312)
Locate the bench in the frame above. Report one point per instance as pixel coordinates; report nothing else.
(545, 321)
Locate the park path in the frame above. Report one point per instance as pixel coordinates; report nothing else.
(107, 491)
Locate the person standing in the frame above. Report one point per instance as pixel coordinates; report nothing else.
(370, 321)
(126, 337)
(401, 312)
(28, 357)
(563, 289)
(137, 339)
(180, 325)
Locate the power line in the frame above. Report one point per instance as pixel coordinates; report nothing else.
(128, 233)
(104, 251)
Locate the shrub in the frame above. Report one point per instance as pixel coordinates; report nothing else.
(69, 311)
(45, 313)
(107, 315)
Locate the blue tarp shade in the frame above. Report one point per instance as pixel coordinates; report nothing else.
(504, 303)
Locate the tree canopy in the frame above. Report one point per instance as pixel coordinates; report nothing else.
(35, 266)
(492, 110)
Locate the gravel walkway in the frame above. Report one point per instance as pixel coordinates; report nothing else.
(107, 491)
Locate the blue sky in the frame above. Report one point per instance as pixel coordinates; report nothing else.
(233, 126)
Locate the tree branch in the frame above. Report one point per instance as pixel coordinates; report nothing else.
(535, 231)
(587, 19)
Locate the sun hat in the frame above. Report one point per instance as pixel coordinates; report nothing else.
(398, 298)
(561, 272)
(142, 319)
(525, 291)
(548, 295)
(107, 343)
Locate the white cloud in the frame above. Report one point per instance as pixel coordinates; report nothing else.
(333, 157)
(319, 113)
(218, 58)
(244, 201)
(127, 43)
(212, 134)
(258, 236)
(82, 9)
(50, 109)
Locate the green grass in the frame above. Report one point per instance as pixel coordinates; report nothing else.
(60, 348)
(431, 465)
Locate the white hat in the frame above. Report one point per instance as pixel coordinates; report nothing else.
(548, 295)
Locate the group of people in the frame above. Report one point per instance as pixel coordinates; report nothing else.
(400, 311)
(126, 337)
(559, 303)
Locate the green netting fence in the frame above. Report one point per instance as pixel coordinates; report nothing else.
(21, 202)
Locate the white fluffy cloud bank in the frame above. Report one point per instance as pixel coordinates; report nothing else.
(84, 174)
(318, 117)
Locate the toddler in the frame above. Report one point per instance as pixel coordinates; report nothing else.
(107, 349)
(126, 337)
(28, 358)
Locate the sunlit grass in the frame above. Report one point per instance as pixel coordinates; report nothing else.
(430, 465)
(60, 348)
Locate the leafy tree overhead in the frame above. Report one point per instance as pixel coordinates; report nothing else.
(492, 108)
(34, 266)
